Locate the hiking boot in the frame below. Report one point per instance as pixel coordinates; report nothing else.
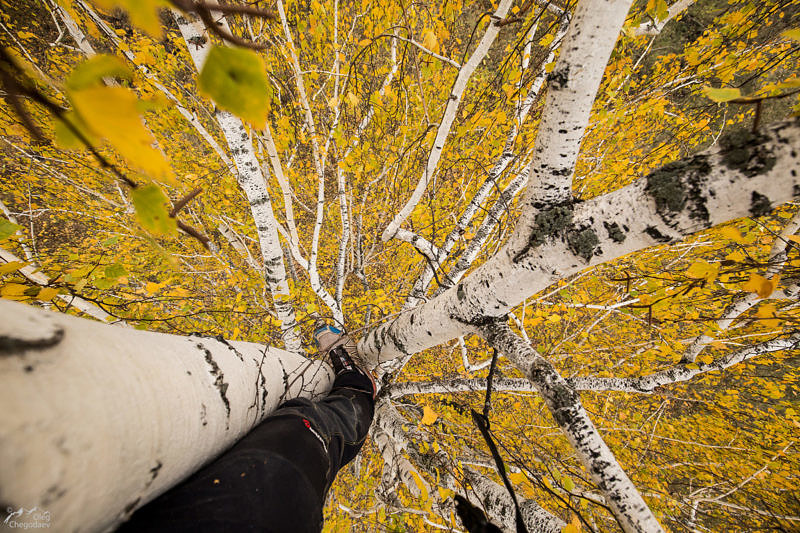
(341, 350)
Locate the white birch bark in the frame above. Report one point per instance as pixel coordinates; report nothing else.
(395, 460)
(319, 163)
(750, 172)
(656, 27)
(683, 371)
(483, 232)
(646, 384)
(74, 30)
(251, 181)
(291, 236)
(286, 189)
(621, 495)
(572, 88)
(98, 419)
(448, 117)
(423, 245)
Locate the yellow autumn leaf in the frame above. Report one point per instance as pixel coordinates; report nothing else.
(11, 266)
(731, 233)
(768, 315)
(445, 494)
(429, 416)
(430, 41)
(794, 238)
(152, 288)
(705, 358)
(112, 113)
(703, 270)
(143, 13)
(13, 291)
(421, 485)
(761, 285)
(793, 34)
(518, 477)
(47, 294)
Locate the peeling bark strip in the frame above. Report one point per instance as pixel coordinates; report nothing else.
(625, 502)
(643, 214)
(94, 429)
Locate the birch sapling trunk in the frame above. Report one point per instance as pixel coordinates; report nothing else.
(98, 419)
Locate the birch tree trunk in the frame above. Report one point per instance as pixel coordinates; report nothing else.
(252, 182)
(98, 419)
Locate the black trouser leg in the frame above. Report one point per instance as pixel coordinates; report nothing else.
(275, 479)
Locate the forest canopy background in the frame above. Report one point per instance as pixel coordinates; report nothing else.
(354, 106)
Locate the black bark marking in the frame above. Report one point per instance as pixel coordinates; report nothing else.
(10, 345)
(558, 78)
(219, 381)
(548, 223)
(227, 343)
(759, 205)
(132, 505)
(656, 235)
(745, 152)
(676, 184)
(583, 242)
(154, 473)
(615, 233)
(53, 494)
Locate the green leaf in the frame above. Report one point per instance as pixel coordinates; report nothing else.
(236, 80)
(662, 10)
(115, 271)
(7, 229)
(104, 283)
(569, 485)
(151, 210)
(65, 137)
(722, 95)
(91, 73)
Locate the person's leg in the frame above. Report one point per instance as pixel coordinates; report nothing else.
(276, 477)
